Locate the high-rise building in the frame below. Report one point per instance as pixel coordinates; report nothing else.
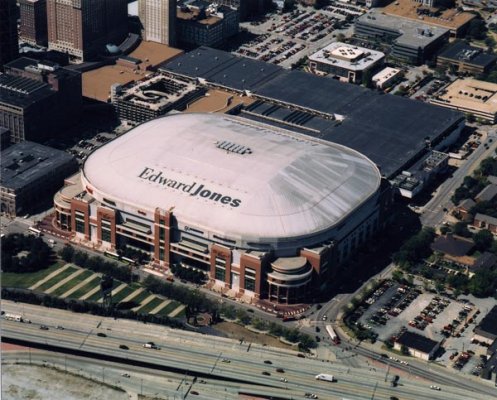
(82, 28)
(33, 15)
(38, 100)
(158, 18)
(9, 46)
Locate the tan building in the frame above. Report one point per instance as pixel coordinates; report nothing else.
(82, 28)
(472, 97)
(158, 18)
(453, 19)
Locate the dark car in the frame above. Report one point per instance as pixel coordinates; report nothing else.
(194, 392)
(266, 373)
(281, 370)
(123, 346)
(267, 362)
(44, 327)
(101, 334)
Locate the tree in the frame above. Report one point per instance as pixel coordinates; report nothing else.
(477, 29)
(243, 317)
(367, 79)
(416, 248)
(398, 275)
(67, 253)
(483, 240)
(461, 229)
(319, 4)
(483, 283)
(444, 230)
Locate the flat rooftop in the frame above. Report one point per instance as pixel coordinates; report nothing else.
(489, 322)
(388, 129)
(450, 19)
(461, 51)
(152, 54)
(97, 82)
(412, 33)
(385, 74)
(156, 92)
(347, 56)
(217, 100)
(26, 162)
(22, 92)
(471, 94)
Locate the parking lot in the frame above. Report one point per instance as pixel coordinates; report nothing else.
(394, 308)
(285, 38)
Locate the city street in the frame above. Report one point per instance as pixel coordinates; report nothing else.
(433, 212)
(249, 367)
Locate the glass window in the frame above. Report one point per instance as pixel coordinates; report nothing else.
(220, 274)
(106, 235)
(80, 226)
(249, 283)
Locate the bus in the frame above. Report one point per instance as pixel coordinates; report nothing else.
(33, 231)
(117, 257)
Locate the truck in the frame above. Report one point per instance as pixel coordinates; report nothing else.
(334, 337)
(325, 377)
(13, 317)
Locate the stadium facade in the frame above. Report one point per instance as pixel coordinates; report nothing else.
(265, 212)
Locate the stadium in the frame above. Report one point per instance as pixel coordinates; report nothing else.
(263, 211)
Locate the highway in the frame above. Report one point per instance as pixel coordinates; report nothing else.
(433, 212)
(200, 355)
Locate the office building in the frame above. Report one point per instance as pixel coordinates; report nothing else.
(486, 331)
(417, 345)
(38, 99)
(158, 19)
(33, 15)
(470, 96)
(31, 174)
(412, 42)
(453, 19)
(83, 28)
(347, 62)
(263, 212)
(152, 98)
(9, 46)
(205, 24)
(466, 58)
(387, 77)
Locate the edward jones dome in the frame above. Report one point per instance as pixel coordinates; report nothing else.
(261, 210)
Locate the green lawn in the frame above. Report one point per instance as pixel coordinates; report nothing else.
(142, 296)
(98, 295)
(150, 306)
(122, 294)
(73, 282)
(181, 314)
(86, 288)
(14, 280)
(64, 274)
(169, 308)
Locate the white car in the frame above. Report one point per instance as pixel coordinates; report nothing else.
(325, 317)
(435, 387)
